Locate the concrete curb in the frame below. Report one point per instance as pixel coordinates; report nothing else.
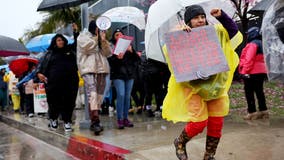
(78, 146)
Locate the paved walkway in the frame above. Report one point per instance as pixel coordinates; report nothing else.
(152, 138)
(17, 145)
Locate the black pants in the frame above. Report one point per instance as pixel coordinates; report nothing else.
(22, 99)
(62, 101)
(29, 99)
(138, 93)
(154, 85)
(252, 85)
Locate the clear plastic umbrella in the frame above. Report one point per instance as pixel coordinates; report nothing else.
(163, 17)
(273, 40)
(127, 14)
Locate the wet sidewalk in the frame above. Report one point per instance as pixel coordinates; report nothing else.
(152, 138)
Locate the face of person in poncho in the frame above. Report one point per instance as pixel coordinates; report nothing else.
(195, 16)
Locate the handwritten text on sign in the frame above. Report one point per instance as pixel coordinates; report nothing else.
(197, 52)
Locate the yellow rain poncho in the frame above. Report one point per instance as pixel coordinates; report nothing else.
(192, 101)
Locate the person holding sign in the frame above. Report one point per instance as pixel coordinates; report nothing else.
(122, 71)
(92, 52)
(185, 101)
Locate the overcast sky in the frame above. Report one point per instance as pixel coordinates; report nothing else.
(18, 15)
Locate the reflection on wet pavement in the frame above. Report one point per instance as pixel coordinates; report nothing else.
(152, 138)
(16, 145)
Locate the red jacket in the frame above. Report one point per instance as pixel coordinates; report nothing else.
(251, 62)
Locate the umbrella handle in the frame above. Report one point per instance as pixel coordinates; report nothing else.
(99, 40)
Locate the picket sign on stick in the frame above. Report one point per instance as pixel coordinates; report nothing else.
(195, 53)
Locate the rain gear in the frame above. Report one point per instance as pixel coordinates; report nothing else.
(90, 58)
(195, 99)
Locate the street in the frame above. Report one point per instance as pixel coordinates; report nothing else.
(17, 145)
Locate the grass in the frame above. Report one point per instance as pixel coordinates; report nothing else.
(274, 93)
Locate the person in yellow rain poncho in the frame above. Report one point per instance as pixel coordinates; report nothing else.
(203, 102)
(80, 100)
(11, 79)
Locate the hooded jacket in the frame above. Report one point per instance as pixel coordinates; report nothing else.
(90, 58)
(252, 59)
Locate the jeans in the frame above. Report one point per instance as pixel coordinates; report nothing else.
(123, 91)
(107, 90)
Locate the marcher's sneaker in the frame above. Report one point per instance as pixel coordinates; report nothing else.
(67, 127)
(158, 113)
(251, 116)
(150, 113)
(127, 123)
(139, 110)
(120, 124)
(110, 111)
(31, 115)
(53, 124)
(131, 111)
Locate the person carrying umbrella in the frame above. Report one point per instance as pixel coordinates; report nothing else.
(200, 112)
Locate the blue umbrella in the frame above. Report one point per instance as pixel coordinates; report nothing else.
(40, 43)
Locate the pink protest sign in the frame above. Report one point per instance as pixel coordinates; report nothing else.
(195, 53)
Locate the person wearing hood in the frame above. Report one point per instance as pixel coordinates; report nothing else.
(186, 101)
(58, 70)
(253, 69)
(92, 52)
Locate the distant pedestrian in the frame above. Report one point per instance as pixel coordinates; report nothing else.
(27, 83)
(13, 90)
(123, 67)
(3, 90)
(253, 69)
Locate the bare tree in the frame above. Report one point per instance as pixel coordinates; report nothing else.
(242, 7)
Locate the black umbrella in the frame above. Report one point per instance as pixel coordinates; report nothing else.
(11, 47)
(49, 5)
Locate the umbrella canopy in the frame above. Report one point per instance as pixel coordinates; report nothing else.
(164, 13)
(102, 6)
(21, 65)
(127, 14)
(41, 43)
(260, 7)
(48, 5)
(11, 47)
(272, 36)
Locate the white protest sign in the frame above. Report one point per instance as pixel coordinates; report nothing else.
(122, 44)
(40, 100)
